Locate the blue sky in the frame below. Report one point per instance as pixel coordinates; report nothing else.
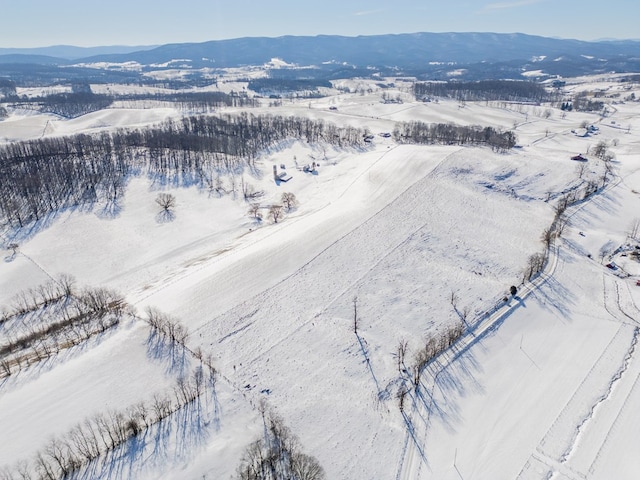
(38, 23)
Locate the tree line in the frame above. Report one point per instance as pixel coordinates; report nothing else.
(193, 100)
(451, 134)
(484, 90)
(72, 104)
(7, 87)
(582, 103)
(38, 177)
(81, 101)
(286, 86)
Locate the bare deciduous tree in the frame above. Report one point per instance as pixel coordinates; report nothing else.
(166, 200)
(275, 213)
(402, 394)
(634, 229)
(453, 299)
(600, 150)
(67, 282)
(5, 367)
(581, 169)
(401, 354)
(277, 455)
(62, 456)
(45, 468)
(560, 227)
(254, 211)
(289, 200)
(305, 467)
(420, 360)
(547, 237)
(82, 442)
(355, 314)
(464, 313)
(535, 264)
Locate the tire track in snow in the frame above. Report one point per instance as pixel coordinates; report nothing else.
(613, 303)
(633, 302)
(629, 303)
(608, 292)
(561, 436)
(630, 402)
(551, 469)
(536, 468)
(584, 424)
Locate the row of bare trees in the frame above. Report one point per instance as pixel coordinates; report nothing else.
(40, 345)
(167, 327)
(583, 190)
(537, 261)
(37, 329)
(189, 101)
(62, 301)
(433, 346)
(451, 134)
(486, 90)
(86, 441)
(40, 296)
(81, 100)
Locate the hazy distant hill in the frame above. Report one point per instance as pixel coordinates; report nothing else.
(70, 52)
(19, 58)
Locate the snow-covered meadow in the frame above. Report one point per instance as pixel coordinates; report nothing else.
(543, 387)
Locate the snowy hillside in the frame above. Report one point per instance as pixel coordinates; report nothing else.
(321, 316)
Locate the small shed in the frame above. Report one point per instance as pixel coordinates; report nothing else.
(282, 176)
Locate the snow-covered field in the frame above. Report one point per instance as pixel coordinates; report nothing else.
(542, 387)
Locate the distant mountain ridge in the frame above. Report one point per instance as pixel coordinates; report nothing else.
(400, 50)
(435, 56)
